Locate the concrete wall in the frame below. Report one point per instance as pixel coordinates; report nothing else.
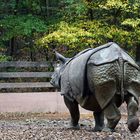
(38, 102)
(33, 102)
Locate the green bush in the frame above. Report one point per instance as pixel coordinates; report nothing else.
(4, 58)
(72, 37)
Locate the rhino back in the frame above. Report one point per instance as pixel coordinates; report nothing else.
(110, 54)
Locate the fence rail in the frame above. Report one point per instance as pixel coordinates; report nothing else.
(21, 64)
(18, 64)
(25, 85)
(25, 74)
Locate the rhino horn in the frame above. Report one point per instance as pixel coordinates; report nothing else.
(60, 57)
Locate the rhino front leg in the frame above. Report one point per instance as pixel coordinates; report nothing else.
(99, 121)
(74, 112)
(112, 115)
(132, 108)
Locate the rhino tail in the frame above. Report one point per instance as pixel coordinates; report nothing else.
(121, 77)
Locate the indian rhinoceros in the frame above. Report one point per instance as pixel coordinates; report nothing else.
(100, 80)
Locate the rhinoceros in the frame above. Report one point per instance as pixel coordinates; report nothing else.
(99, 80)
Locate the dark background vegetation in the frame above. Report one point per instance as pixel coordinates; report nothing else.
(31, 29)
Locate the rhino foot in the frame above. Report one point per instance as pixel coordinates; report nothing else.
(133, 124)
(75, 127)
(97, 129)
(106, 129)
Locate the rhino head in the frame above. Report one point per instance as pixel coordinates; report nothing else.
(58, 69)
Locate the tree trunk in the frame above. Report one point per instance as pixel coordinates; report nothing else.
(47, 6)
(90, 13)
(12, 47)
(16, 7)
(90, 10)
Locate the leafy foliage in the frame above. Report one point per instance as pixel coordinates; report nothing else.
(21, 26)
(4, 58)
(69, 25)
(134, 23)
(84, 34)
(73, 9)
(68, 36)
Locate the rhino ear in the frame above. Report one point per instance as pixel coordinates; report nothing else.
(60, 57)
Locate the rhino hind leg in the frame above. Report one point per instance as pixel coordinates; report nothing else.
(99, 121)
(112, 115)
(74, 112)
(132, 107)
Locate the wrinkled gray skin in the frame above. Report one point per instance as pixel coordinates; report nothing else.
(104, 83)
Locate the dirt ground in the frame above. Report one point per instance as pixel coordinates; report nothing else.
(46, 126)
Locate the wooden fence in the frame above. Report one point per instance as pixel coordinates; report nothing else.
(6, 75)
(28, 102)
